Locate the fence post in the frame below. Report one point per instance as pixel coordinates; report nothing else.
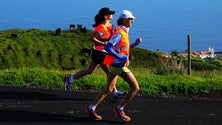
(189, 55)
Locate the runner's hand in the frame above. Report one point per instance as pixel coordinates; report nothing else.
(123, 58)
(139, 40)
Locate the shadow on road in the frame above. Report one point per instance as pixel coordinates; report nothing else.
(41, 106)
(20, 116)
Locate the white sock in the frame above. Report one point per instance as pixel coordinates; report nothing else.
(115, 91)
(92, 108)
(120, 107)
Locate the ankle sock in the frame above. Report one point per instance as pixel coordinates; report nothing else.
(91, 108)
(115, 92)
(119, 108)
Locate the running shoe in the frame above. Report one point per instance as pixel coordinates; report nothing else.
(93, 114)
(67, 82)
(121, 114)
(119, 95)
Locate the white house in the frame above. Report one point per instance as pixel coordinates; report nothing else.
(206, 54)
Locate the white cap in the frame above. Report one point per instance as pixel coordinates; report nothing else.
(126, 14)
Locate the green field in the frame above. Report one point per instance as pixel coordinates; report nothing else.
(36, 58)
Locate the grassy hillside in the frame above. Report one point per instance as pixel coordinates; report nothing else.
(37, 57)
(41, 48)
(38, 48)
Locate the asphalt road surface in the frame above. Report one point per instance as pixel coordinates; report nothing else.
(57, 107)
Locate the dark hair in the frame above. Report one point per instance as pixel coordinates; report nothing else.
(98, 20)
(120, 21)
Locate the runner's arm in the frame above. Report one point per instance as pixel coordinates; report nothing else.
(109, 48)
(137, 42)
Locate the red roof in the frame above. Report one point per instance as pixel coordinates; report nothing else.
(202, 53)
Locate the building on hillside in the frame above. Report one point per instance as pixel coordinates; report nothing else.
(206, 54)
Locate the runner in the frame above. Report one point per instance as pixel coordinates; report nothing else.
(118, 49)
(100, 36)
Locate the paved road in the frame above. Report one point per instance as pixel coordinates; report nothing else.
(41, 106)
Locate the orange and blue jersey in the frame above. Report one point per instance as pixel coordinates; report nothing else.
(105, 34)
(118, 48)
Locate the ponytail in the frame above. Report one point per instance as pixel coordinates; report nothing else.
(98, 20)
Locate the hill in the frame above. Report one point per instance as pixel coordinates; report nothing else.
(39, 48)
(37, 58)
(44, 48)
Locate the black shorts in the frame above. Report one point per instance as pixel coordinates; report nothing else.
(98, 56)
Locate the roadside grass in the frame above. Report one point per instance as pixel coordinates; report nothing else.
(171, 84)
(31, 77)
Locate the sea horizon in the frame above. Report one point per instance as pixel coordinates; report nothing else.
(163, 25)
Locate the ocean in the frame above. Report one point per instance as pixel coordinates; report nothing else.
(163, 24)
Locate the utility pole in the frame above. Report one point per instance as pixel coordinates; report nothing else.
(189, 55)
